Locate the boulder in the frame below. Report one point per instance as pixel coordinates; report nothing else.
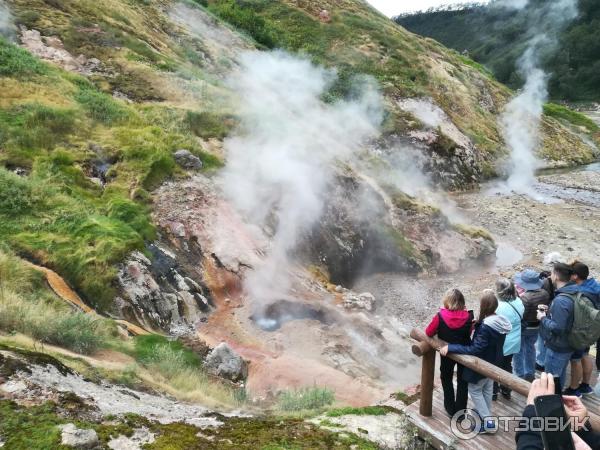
(223, 362)
(78, 438)
(187, 160)
(366, 301)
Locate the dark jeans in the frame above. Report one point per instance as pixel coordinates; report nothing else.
(453, 403)
(506, 364)
(598, 354)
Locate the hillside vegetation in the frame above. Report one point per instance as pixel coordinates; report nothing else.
(80, 153)
(496, 37)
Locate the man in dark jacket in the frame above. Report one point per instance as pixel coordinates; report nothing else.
(531, 439)
(581, 364)
(555, 326)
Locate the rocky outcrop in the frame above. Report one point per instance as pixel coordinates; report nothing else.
(450, 157)
(365, 301)
(51, 48)
(187, 160)
(160, 292)
(223, 362)
(78, 438)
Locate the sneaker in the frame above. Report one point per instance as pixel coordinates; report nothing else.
(494, 397)
(505, 393)
(573, 392)
(585, 389)
(540, 368)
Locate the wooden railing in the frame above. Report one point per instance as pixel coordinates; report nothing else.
(426, 348)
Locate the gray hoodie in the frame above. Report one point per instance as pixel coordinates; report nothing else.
(498, 323)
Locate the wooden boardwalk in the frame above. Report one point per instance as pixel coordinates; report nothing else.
(436, 429)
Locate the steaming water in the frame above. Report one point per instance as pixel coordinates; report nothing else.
(507, 255)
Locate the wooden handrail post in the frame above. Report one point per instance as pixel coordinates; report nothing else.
(427, 375)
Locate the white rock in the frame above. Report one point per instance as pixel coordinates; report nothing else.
(140, 437)
(72, 436)
(12, 386)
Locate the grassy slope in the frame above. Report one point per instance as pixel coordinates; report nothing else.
(360, 40)
(52, 122)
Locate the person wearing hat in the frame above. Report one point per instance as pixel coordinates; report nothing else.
(532, 294)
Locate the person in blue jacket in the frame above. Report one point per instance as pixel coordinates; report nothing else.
(487, 343)
(555, 325)
(511, 307)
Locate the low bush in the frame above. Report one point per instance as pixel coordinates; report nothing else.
(16, 195)
(574, 117)
(208, 125)
(17, 62)
(308, 398)
(100, 106)
(28, 128)
(364, 411)
(242, 16)
(156, 349)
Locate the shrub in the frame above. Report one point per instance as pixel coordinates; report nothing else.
(31, 127)
(16, 62)
(15, 193)
(241, 15)
(307, 398)
(132, 213)
(208, 125)
(99, 105)
(155, 348)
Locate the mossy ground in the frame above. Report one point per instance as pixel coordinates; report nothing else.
(36, 428)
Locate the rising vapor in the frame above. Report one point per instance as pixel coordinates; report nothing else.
(520, 123)
(7, 27)
(281, 160)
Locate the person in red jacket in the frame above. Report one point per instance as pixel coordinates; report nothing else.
(452, 324)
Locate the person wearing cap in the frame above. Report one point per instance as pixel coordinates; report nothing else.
(532, 294)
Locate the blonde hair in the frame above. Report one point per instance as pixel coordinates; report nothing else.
(453, 300)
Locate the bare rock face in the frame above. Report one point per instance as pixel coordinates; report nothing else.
(74, 437)
(187, 160)
(140, 437)
(365, 301)
(450, 156)
(51, 49)
(161, 293)
(223, 362)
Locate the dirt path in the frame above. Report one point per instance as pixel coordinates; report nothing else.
(526, 230)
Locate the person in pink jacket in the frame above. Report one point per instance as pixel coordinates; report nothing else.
(452, 324)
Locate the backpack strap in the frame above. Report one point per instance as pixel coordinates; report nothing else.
(515, 309)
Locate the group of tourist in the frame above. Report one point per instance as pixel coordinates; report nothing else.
(536, 321)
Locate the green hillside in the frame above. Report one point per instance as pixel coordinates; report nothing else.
(156, 86)
(496, 37)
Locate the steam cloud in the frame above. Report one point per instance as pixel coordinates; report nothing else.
(282, 158)
(520, 123)
(7, 28)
